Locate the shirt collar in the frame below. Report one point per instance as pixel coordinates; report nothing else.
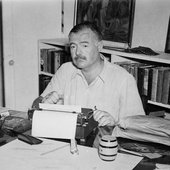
(103, 75)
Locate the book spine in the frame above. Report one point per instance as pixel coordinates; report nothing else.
(56, 60)
(145, 81)
(165, 87)
(159, 84)
(52, 62)
(154, 84)
(49, 61)
(150, 75)
(141, 80)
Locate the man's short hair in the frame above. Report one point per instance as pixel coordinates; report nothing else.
(87, 25)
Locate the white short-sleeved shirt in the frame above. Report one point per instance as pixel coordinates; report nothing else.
(113, 91)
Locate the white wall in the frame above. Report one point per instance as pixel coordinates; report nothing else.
(24, 22)
(151, 23)
(68, 15)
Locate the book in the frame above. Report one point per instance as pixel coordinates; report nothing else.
(56, 60)
(135, 66)
(42, 59)
(159, 113)
(160, 83)
(165, 86)
(154, 83)
(146, 80)
(150, 84)
(143, 77)
(49, 60)
(43, 62)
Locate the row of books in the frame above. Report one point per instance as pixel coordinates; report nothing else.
(51, 59)
(152, 81)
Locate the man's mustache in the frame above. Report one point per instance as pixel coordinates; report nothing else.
(80, 57)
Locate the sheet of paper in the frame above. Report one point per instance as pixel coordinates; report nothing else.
(54, 155)
(54, 124)
(64, 108)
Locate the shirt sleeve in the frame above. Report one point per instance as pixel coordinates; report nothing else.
(130, 101)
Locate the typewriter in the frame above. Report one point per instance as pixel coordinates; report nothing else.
(85, 122)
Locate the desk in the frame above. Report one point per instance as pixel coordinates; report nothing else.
(147, 164)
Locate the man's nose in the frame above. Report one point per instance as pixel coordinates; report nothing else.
(78, 51)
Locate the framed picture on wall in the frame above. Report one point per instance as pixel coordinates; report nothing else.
(167, 46)
(113, 17)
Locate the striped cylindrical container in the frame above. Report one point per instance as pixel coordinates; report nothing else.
(108, 148)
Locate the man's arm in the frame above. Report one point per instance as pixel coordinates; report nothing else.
(35, 104)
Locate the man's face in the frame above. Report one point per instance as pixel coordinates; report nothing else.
(84, 48)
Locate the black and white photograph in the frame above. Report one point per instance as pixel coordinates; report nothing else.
(84, 84)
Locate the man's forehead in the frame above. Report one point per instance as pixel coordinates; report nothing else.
(82, 35)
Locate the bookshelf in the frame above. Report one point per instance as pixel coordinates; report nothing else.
(52, 53)
(60, 45)
(163, 59)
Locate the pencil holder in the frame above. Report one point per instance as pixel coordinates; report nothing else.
(108, 148)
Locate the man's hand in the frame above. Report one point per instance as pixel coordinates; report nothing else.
(103, 118)
(52, 98)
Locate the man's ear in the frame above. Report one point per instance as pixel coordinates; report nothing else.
(100, 46)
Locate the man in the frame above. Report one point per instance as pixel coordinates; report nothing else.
(92, 82)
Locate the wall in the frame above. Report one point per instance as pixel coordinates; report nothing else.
(24, 22)
(151, 23)
(1, 60)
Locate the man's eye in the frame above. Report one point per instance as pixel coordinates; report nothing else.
(85, 45)
(72, 46)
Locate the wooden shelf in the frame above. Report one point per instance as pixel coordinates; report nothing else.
(45, 73)
(159, 104)
(161, 58)
(57, 41)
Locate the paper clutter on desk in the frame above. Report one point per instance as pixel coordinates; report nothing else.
(17, 124)
(162, 167)
(4, 112)
(144, 128)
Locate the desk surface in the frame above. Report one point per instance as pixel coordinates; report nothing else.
(52, 154)
(146, 163)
